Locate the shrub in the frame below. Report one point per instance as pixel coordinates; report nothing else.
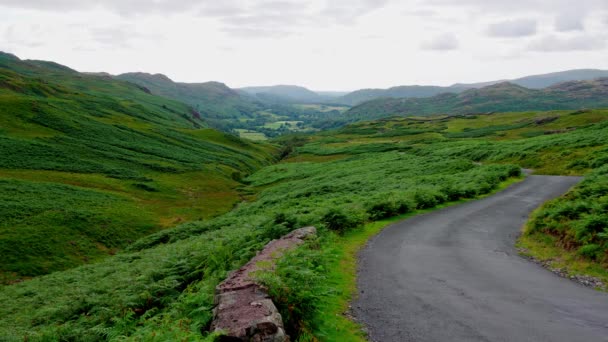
(382, 209)
(591, 251)
(340, 220)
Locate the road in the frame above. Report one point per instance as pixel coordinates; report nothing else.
(455, 275)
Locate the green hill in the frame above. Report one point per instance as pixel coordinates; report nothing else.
(89, 164)
(213, 100)
(342, 181)
(501, 97)
(285, 93)
(254, 116)
(409, 91)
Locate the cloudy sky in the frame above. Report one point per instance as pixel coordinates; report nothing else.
(321, 44)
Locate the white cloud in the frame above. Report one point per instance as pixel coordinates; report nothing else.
(513, 28)
(442, 42)
(553, 43)
(570, 22)
(322, 44)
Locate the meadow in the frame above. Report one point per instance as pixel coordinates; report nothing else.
(126, 211)
(89, 164)
(367, 178)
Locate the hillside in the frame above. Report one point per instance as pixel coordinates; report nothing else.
(89, 164)
(252, 116)
(213, 100)
(532, 82)
(349, 183)
(284, 93)
(501, 97)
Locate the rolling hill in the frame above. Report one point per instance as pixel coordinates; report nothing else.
(89, 164)
(501, 97)
(284, 93)
(213, 100)
(532, 82)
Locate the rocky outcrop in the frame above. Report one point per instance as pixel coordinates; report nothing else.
(244, 311)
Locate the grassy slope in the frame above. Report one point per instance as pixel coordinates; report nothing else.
(88, 164)
(503, 97)
(336, 181)
(571, 152)
(163, 285)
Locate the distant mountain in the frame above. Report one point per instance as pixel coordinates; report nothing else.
(213, 100)
(547, 80)
(360, 96)
(532, 82)
(285, 93)
(501, 97)
(332, 94)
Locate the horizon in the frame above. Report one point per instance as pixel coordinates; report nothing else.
(320, 45)
(308, 88)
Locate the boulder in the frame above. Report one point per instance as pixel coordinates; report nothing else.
(244, 311)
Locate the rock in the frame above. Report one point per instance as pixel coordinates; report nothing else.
(244, 311)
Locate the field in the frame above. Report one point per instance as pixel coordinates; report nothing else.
(126, 211)
(251, 135)
(337, 181)
(89, 165)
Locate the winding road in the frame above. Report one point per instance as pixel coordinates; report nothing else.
(455, 275)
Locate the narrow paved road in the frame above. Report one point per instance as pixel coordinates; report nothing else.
(454, 275)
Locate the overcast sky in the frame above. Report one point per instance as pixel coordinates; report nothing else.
(320, 44)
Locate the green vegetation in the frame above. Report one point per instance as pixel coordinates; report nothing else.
(254, 113)
(502, 97)
(534, 82)
(172, 274)
(89, 164)
(577, 223)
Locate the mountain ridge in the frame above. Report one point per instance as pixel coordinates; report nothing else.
(500, 97)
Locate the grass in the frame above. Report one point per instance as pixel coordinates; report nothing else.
(120, 163)
(331, 320)
(546, 248)
(251, 135)
(77, 186)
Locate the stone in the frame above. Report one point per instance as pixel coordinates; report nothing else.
(244, 311)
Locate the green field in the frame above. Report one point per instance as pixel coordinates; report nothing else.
(121, 210)
(251, 135)
(338, 181)
(89, 164)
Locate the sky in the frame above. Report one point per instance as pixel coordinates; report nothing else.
(337, 45)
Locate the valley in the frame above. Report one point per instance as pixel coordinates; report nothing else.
(126, 199)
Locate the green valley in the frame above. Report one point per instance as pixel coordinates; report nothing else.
(162, 285)
(88, 164)
(256, 113)
(123, 207)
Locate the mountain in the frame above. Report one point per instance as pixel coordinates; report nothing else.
(89, 163)
(501, 97)
(533, 82)
(285, 93)
(547, 80)
(213, 100)
(360, 96)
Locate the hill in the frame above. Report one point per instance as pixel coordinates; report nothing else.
(89, 164)
(213, 100)
(501, 97)
(532, 82)
(349, 183)
(285, 93)
(254, 116)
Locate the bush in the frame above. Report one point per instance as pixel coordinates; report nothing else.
(591, 251)
(340, 220)
(382, 209)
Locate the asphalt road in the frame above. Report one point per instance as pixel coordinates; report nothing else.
(454, 275)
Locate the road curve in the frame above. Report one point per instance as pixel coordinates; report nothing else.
(454, 275)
